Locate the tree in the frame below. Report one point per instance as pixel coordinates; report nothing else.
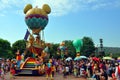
(19, 45)
(5, 49)
(87, 49)
(88, 46)
(115, 55)
(70, 47)
(53, 50)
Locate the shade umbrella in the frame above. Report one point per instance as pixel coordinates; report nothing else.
(107, 58)
(77, 58)
(83, 57)
(118, 58)
(95, 59)
(68, 59)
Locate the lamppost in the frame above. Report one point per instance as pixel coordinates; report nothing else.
(96, 50)
(101, 44)
(101, 48)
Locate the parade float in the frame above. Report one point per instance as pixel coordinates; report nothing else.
(36, 19)
(62, 50)
(78, 43)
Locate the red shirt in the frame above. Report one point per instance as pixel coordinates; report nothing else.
(119, 69)
(18, 57)
(113, 76)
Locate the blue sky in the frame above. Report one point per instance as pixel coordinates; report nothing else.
(69, 20)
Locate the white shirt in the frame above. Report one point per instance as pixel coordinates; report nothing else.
(117, 75)
(67, 69)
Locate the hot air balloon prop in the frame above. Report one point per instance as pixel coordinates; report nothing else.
(62, 49)
(78, 43)
(62, 46)
(36, 18)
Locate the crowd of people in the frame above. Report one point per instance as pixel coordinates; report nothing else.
(89, 68)
(7, 66)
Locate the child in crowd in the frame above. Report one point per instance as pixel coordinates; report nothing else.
(64, 71)
(53, 69)
(12, 69)
(2, 74)
(75, 72)
(113, 75)
(2, 70)
(60, 68)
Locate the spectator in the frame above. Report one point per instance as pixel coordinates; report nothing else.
(12, 69)
(117, 72)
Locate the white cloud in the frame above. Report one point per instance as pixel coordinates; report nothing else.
(101, 5)
(59, 7)
(106, 5)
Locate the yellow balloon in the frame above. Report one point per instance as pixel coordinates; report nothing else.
(31, 11)
(43, 13)
(37, 10)
(46, 8)
(27, 7)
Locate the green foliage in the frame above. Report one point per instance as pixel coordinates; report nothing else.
(88, 46)
(5, 49)
(70, 47)
(116, 55)
(87, 49)
(53, 49)
(111, 50)
(68, 44)
(19, 45)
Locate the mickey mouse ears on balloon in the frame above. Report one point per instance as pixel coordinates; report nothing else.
(36, 18)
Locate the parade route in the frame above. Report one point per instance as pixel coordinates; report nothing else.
(56, 77)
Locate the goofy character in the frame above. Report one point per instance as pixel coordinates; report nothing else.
(49, 70)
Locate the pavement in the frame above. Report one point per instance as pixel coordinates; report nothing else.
(30, 77)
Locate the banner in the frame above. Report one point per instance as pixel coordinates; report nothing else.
(26, 35)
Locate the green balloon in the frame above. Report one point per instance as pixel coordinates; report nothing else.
(78, 43)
